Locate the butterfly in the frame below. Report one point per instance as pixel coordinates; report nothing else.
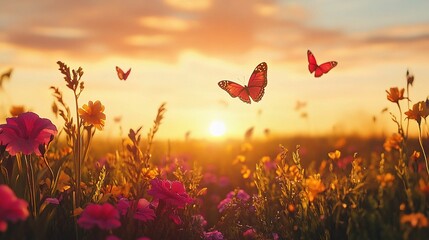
(321, 69)
(255, 87)
(121, 74)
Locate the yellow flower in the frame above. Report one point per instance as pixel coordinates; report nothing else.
(395, 94)
(393, 142)
(415, 220)
(334, 155)
(245, 172)
(92, 114)
(385, 179)
(314, 186)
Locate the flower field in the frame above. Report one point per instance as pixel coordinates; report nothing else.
(58, 182)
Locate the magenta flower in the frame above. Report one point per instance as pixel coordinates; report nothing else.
(143, 238)
(11, 208)
(112, 237)
(171, 192)
(26, 133)
(103, 216)
(213, 235)
(249, 234)
(143, 212)
(54, 201)
(122, 206)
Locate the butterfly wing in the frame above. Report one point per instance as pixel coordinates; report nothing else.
(312, 63)
(235, 90)
(258, 82)
(324, 68)
(121, 74)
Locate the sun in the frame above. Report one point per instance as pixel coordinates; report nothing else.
(217, 128)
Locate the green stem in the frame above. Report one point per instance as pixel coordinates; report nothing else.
(401, 129)
(423, 150)
(78, 153)
(32, 186)
(50, 170)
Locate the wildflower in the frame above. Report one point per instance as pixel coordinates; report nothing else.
(26, 133)
(16, 110)
(314, 186)
(415, 219)
(239, 159)
(334, 155)
(424, 187)
(342, 163)
(395, 94)
(213, 235)
(393, 142)
(54, 201)
(11, 207)
(385, 179)
(199, 220)
(410, 78)
(291, 208)
(103, 216)
(122, 206)
(245, 172)
(143, 212)
(175, 218)
(172, 192)
(92, 114)
(241, 194)
(224, 204)
(420, 110)
(249, 234)
(112, 237)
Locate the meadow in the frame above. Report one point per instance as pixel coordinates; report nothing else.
(58, 182)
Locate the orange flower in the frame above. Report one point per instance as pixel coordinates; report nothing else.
(420, 110)
(314, 187)
(415, 219)
(92, 114)
(393, 142)
(385, 179)
(395, 94)
(16, 110)
(424, 187)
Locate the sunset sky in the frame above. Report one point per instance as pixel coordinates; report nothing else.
(180, 49)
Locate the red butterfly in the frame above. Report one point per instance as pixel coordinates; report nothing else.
(319, 70)
(254, 89)
(121, 74)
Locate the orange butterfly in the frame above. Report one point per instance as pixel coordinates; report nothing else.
(121, 74)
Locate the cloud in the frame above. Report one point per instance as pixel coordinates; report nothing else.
(162, 30)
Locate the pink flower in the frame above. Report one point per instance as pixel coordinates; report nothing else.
(26, 133)
(103, 216)
(143, 212)
(143, 238)
(213, 235)
(122, 206)
(241, 194)
(224, 204)
(112, 237)
(11, 207)
(175, 218)
(171, 192)
(54, 201)
(249, 234)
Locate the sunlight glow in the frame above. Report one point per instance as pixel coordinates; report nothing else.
(217, 128)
